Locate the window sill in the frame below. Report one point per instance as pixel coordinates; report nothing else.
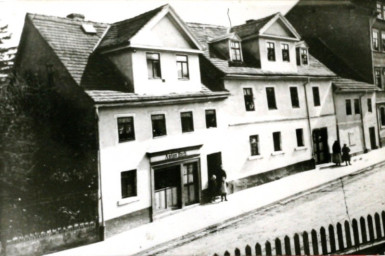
(300, 148)
(128, 200)
(256, 157)
(277, 153)
(124, 141)
(183, 79)
(159, 136)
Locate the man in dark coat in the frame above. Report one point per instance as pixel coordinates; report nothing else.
(337, 153)
(346, 154)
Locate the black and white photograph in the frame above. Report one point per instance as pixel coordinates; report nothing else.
(192, 127)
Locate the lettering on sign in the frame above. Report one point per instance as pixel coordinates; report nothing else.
(176, 155)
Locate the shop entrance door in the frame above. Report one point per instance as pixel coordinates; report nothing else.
(167, 188)
(190, 183)
(372, 135)
(214, 162)
(320, 145)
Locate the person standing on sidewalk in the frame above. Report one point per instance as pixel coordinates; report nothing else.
(223, 189)
(346, 155)
(213, 188)
(337, 153)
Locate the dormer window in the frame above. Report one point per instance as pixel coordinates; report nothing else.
(235, 51)
(270, 51)
(285, 53)
(302, 56)
(153, 65)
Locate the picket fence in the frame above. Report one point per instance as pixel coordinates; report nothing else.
(338, 238)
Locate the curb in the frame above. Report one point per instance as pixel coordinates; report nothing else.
(163, 247)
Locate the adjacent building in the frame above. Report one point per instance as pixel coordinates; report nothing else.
(353, 33)
(172, 102)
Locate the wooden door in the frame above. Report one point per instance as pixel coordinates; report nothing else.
(372, 135)
(190, 183)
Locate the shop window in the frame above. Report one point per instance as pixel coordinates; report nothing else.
(294, 97)
(254, 145)
(249, 101)
(182, 67)
(126, 131)
(153, 65)
(277, 141)
(299, 134)
(370, 105)
(356, 106)
(375, 43)
(235, 50)
(187, 121)
(270, 94)
(285, 53)
(211, 118)
(348, 106)
(128, 183)
(316, 97)
(158, 125)
(270, 51)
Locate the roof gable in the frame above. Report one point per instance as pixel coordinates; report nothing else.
(279, 26)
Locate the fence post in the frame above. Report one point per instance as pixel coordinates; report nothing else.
(370, 227)
(227, 253)
(383, 221)
(278, 247)
(268, 248)
(237, 252)
(306, 243)
(287, 246)
(332, 239)
(348, 235)
(340, 237)
(363, 230)
(323, 241)
(378, 225)
(314, 240)
(355, 233)
(258, 249)
(297, 245)
(248, 250)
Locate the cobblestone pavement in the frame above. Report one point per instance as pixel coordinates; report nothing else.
(349, 197)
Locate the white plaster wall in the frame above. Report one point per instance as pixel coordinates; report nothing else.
(278, 64)
(116, 157)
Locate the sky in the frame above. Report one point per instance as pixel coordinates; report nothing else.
(12, 12)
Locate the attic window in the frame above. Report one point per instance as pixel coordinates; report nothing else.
(88, 28)
(302, 56)
(235, 51)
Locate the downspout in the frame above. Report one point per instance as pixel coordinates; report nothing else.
(101, 228)
(308, 118)
(362, 125)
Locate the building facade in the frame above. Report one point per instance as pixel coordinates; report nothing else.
(336, 25)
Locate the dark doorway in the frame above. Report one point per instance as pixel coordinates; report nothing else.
(372, 135)
(167, 188)
(320, 145)
(214, 162)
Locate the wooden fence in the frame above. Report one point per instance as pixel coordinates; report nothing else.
(341, 237)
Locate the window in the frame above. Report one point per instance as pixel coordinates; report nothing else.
(370, 105)
(271, 98)
(235, 51)
(352, 139)
(348, 105)
(299, 133)
(270, 51)
(316, 98)
(182, 66)
(211, 118)
(254, 147)
(249, 101)
(285, 52)
(375, 40)
(128, 183)
(378, 80)
(304, 57)
(187, 121)
(277, 141)
(382, 113)
(356, 106)
(158, 125)
(383, 40)
(126, 129)
(153, 65)
(294, 97)
(379, 10)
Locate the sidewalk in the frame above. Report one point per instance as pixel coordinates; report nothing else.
(202, 219)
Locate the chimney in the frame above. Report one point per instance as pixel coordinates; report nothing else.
(76, 16)
(249, 21)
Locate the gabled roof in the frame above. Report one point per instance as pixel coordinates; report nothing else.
(350, 85)
(121, 32)
(68, 41)
(205, 33)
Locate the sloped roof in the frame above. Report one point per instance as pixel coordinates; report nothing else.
(205, 32)
(121, 32)
(108, 96)
(67, 39)
(252, 27)
(350, 85)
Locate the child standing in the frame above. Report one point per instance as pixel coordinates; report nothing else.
(223, 189)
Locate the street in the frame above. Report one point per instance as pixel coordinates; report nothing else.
(350, 197)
